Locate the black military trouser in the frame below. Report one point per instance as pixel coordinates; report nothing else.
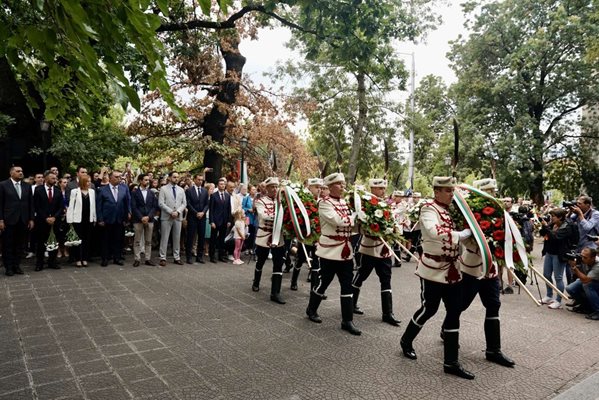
(431, 294)
(382, 267)
(278, 254)
(13, 238)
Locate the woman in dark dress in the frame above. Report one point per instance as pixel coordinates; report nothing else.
(82, 214)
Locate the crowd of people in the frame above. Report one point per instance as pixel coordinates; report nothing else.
(193, 221)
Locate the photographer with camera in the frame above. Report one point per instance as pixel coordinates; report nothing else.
(587, 219)
(585, 290)
(558, 234)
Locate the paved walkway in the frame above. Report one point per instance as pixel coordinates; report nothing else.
(199, 332)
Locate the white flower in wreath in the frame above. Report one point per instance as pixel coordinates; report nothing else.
(389, 231)
(383, 204)
(378, 213)
(366, 197)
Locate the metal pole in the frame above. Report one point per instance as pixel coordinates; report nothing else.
(242, 161)
(413, 109)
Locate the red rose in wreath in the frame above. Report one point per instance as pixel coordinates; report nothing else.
(499, 235)
(477, 216)
(386, 214)
(375, 227)
(484, 225)
(316, 220)
(499, 252)
(498, 223)
(516, 256)
(374, 201)
(488, 210)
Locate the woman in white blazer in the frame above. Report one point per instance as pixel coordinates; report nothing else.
(82, 214)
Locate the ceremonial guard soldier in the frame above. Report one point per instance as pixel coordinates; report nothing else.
(487, 288)
(439, 273)
(376, 255)
(335, 252)
(414, 235)
(314, 185)
(265, 242)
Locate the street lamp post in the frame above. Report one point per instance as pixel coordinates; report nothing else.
(244, 144)
(448, 164)
(44, 128)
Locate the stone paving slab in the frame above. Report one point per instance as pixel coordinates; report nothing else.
(199, 332)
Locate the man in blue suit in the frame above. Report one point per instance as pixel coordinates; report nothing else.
(144, 207)
(197, 206)
(113, 209)
(220, 220)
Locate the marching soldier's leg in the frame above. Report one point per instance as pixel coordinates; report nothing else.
(363, 272)
(345, 273)
(278, 254)
(287, 255)
(315, 272)
(261, 256)
(430, 298)
(383, 270)
(469, 287)
(451, 333)
(489, 295)
(299, 260)
(316, 295)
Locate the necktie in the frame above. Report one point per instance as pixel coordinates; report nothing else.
(222, 196)
(115, 193)
(199, 190)
(50, 194)
(174, 193)
(18, 189)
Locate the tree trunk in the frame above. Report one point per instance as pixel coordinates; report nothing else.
(538, 166)
(215, 122)
(352, 169)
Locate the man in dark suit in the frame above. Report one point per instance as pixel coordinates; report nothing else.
(48, 204)
(113, 209)
(197, 206)
(16, 216)
(144, 207)
(74, 183)
(220, 220)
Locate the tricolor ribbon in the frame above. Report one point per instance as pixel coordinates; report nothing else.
(292, 199)
(512, 233)
(277, 225)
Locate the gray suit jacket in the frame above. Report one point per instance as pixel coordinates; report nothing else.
(168, 203)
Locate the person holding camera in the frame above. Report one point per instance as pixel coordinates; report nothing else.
(558, 233)
(587, 219)
(586, 287)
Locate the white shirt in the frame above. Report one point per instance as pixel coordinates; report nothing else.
(144, 193)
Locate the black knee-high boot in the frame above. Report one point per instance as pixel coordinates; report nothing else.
(407, 339)
(493, 338)
(275, 289)
(294, 275)
(387, 306)
(312, 309)
(356, 295)
(347, 314)
(451, 365)
(257, 277)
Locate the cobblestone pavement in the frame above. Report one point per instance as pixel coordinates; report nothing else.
(199, 332)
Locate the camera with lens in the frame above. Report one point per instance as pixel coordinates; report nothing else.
(573, 255)
(547, 218)
(568, 204)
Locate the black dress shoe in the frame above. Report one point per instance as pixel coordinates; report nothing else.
(213, 260)
(223, 259)
(136, 263)
(37, 268)
(200, 260)
(18, 270)
(351, 328)
(150, 263)
(457, 370)
(499, 358)
(358, 310)
(277, 298)
(314, 317)
(255, 288)
(9, 272)
(189, 261)
(293, 287)
(104, 263)
(178, 262)
(118, 262)
(390, 319)
(408, 351)
(57, 266)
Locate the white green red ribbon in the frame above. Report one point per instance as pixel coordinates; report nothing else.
(477, 232)
(277, 225)
(292, 199)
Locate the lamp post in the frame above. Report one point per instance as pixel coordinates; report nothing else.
(244, 144)
(44, 128)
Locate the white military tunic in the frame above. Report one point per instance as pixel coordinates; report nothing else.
(335, 230)
(265, 208)
(471, 262)
(440, 245)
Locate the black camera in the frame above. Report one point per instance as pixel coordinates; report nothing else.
(568, 204)
(547, 218)
(574, 256)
